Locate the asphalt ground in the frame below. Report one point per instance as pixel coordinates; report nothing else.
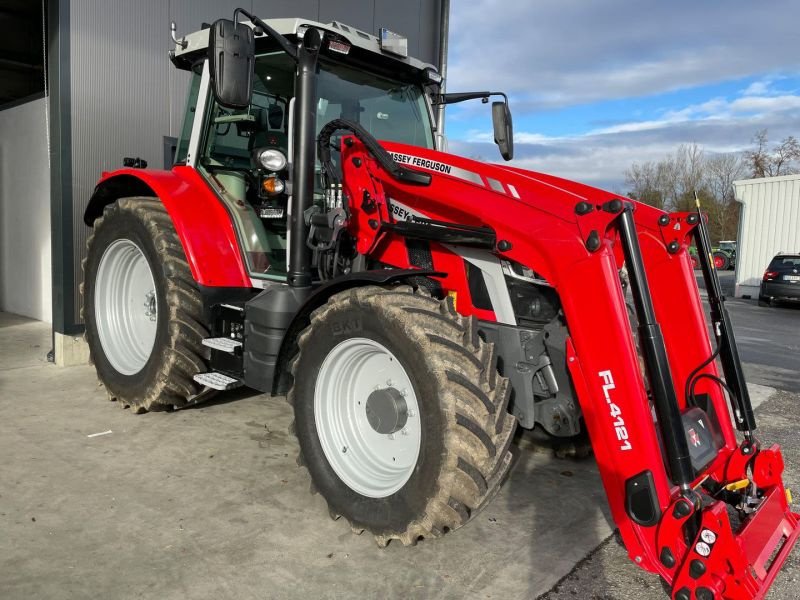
(768, 338)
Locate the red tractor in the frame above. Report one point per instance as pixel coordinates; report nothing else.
(416, 306)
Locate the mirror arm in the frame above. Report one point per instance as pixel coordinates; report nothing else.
(463, 96)
(284, 43)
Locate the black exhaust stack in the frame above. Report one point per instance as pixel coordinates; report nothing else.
(303, 143)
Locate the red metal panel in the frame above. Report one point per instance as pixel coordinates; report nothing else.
(201, 221)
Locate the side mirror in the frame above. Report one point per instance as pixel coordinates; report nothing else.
(503, 129)
(231, 60)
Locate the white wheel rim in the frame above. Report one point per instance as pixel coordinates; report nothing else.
(371, 463)
(125, 307)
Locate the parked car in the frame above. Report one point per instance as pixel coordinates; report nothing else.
(781, 281)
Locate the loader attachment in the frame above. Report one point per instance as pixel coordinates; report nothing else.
(695, 500)
(723, 526)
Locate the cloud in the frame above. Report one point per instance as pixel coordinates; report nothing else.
(559, 58)
(600, 157)
(555, 53)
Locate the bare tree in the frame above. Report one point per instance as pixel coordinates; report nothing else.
(670, 184)
(721, 170)
(643, 182)
(783, 159)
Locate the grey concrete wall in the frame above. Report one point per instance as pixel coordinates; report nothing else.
(25, 287)
(126, 95)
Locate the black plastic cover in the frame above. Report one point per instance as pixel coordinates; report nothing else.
(267, 318)
(231, 60)
(702, 436)
(641, 501)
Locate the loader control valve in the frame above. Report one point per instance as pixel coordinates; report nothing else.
(387, 411)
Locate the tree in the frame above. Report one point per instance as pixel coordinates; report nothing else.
(644, 183)
(721, 170)
(783, 159)
(671, 183)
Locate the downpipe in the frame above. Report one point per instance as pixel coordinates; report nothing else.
(305, 122)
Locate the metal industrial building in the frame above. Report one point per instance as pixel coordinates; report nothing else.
(113, 93)
(770, 223)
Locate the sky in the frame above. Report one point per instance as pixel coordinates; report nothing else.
(596, 85)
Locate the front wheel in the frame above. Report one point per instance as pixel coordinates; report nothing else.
(400, 413)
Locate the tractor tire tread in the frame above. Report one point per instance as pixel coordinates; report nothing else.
(173, 383)
(478, 431)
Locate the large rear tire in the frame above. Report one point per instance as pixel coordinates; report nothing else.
(142, 308)
(721, 261)
(400, 413)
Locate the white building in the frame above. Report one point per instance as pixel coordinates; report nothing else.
(770, 223)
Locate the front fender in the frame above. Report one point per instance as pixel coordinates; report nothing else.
(200, 219)
(318, 297)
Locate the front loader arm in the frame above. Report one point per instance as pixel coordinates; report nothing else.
(636, 386)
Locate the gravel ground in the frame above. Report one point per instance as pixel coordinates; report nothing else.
(608, 574)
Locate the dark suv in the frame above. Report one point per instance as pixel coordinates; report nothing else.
(781, 280)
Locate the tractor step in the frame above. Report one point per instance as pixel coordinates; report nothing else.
(223, 344)
(217, 381)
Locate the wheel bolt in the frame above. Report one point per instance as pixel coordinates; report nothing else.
(389, 382)
(391, 436)
(411, 413)
(344, 449)
(404, 431)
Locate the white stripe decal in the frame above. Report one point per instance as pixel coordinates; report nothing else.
(493, 277)
(495, 185)
(438, 167)
(514, 191)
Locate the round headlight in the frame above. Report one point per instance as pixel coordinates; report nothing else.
(272, 160)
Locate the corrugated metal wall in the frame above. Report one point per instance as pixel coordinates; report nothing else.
(126, 95)
(770, 223)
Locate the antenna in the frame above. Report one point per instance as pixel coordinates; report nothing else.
(178, 42)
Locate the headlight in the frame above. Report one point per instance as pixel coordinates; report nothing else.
(272, 160)
(533, 304)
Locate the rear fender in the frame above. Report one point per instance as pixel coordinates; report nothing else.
(200, 219)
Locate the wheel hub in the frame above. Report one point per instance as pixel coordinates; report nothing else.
(387, 411)
(150, 305)
(124, 284)
(363, 397)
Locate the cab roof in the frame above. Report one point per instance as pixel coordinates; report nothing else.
(197, 42)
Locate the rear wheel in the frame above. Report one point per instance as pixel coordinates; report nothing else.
(721, 261)
(142, 308)
(400, 413)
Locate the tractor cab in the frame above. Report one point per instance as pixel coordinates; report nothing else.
(247, 154)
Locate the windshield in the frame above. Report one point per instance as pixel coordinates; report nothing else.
(388, 109)
(785, 261)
